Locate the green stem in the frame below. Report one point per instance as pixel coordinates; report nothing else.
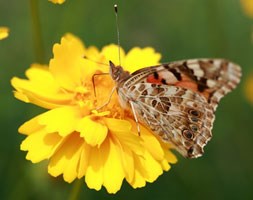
(37, 34)
(76, 190)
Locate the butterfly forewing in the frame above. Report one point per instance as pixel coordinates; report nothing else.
(213, 78)
(177, 100)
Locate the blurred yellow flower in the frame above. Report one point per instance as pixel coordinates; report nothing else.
(57, 1)
(247, 6)
(102, 145)
(248, 88)
(4, 32)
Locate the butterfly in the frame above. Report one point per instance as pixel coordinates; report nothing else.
(177, 100)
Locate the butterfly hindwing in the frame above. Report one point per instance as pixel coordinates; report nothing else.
(177, 115)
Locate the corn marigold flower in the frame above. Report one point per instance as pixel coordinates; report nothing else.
(4, 32)
(79, 141)
(57, 1)
(248, 88)
(247, 6)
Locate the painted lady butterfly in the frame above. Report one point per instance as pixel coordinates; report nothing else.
(177, 100)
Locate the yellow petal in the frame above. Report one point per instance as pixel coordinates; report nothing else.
(40, 89)
(144, 173)
(165, 165)
(94, 173)
(122, 130)
(138, 180)
(154, 170)
(128, 143)
(92, 52)
(65, 161)
(68, 66)
(28, 93)
(127, 159)
(38, 74)
(248, 88)
(20, 96)
(84, 160)
(93, 132)
(138, 58)
(4, 32)
(247, 6)
(111, 53)
(150, 142)
(117, 125)
(113, 169)
(43, 100)
(30, 126)
(57, 1)
(40, 145)
(170, 157)
(62, 120)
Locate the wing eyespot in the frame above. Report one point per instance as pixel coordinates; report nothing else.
(194, 113)
(190, 151)
(194, 128)
(194, 119)
(187, 134)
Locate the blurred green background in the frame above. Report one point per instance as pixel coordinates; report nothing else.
(179, 29)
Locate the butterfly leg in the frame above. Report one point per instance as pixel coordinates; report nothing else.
(135, 117)
(108, 101)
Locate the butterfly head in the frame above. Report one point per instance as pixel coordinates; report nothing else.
(117, 73)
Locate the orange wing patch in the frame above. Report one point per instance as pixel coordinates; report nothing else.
(169, 79)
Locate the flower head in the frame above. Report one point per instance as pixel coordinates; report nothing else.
(4, 32)
(101, 145)
(247, 6)
(248, 88)
(57, 1)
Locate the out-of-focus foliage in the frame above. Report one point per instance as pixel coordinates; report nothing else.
(178, 29)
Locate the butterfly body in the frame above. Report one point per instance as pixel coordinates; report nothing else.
(177, 100)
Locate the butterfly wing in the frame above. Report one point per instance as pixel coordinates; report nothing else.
(212, 78)
(178, 100)
(177, 115)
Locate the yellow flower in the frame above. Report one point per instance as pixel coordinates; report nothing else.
(247, 6)
(4, 32)
(101, 145)
(248, 88)
(57, 1)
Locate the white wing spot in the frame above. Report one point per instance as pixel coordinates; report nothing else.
(211, 83)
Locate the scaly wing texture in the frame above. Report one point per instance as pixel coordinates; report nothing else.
(177, 115)
(178, 100)
(212, 78)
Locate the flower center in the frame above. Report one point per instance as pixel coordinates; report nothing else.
(101, 103)
(81, 92)
(83, 97)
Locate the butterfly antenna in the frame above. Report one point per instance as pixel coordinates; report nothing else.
(94, 61)
(117, 28)
(94, 75)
